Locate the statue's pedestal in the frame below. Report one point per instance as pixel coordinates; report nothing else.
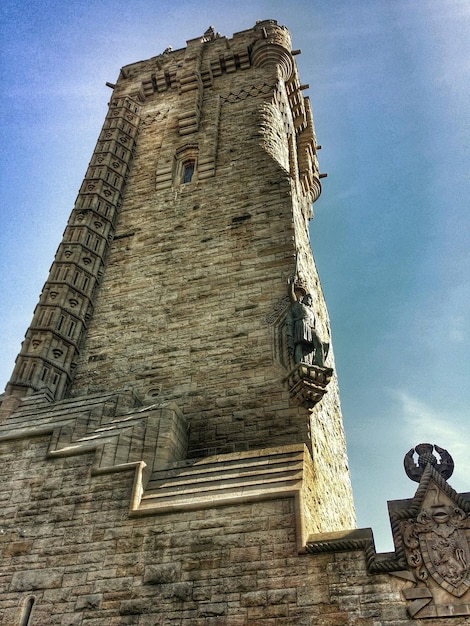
(307, 383)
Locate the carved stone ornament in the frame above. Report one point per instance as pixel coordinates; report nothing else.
(307, 384)
(436, 545)
(425, 452)
(433, 533)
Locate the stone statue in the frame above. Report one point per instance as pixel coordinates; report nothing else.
(303, 342)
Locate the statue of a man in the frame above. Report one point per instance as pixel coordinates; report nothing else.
(303, 342)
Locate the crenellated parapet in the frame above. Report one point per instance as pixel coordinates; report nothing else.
(51, 346)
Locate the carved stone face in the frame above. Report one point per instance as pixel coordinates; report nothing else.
(440, 515)
(307, 299)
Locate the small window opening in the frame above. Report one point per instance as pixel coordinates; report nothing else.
(22, 370)
(188, 171)
(61, 322)
(31, 372)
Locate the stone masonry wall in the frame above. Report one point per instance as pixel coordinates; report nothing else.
(68, 543)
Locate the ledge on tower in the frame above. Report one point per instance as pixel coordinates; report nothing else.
(307, 383)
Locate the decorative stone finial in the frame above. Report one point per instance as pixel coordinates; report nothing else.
(425, 452)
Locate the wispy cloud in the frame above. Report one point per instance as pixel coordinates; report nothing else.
(457, 329)
(424, 424)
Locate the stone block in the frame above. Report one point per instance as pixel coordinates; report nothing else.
(89, 602)
(282, 596)
(73, 619)
(213, 609)
(254, 598)
(37, 579)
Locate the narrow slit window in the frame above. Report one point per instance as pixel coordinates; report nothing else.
(27, 611)
(31, 371)
(61, 322)
(23, 369)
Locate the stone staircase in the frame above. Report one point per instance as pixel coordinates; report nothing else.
(225, 479)
(152, 442)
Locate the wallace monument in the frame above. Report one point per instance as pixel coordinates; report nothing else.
(171, 436)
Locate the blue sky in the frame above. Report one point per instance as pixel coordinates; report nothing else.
(390, 88)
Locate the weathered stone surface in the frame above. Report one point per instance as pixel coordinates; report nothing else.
(36, 579)
(159, 574)
(91, 601)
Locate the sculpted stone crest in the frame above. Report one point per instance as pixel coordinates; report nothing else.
(436, 545)
(432, 533)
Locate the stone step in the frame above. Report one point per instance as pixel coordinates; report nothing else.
(224, 478)
(214, 471)
(217, 487)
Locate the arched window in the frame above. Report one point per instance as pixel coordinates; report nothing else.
(185, 165)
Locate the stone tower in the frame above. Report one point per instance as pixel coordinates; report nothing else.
(177, 367)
